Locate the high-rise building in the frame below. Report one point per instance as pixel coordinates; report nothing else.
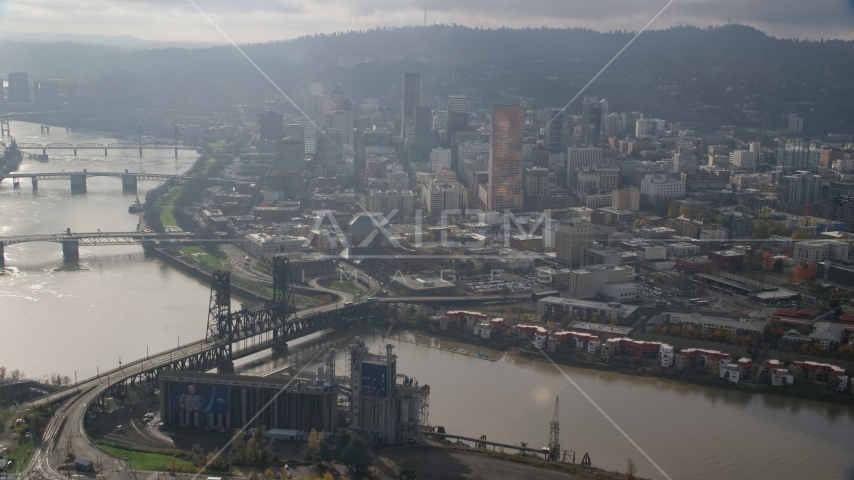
(295, 131)
(743, 160)
(504, 190)
(829, 155)
(290, 155)
(440, 158)
(457, 104)
(536, 182)
(441, 197)
(626, 199)
(342, 120)
(645, 127)
(630, 121)
(685, 163)
(337, 96)
(330, 152)
(581, 157)
(799, 154)
(658, 185)
(272, 125)
(423, 119)
(411, 99)
(593, 113)
(799, 188)
(795, 123)
(571, 238)
(19, 87)
(612, 125)
(555, 141)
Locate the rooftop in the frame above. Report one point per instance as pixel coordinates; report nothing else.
(600, 327)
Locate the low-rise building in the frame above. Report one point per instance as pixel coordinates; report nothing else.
(781, 377)
(682, 249)
(622, 291)
(263, 245)
(587, 282)
(746, 325)
(602, 313)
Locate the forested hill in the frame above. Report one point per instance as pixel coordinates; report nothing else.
(726, 75)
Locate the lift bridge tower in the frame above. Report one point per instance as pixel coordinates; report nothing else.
(554, 434)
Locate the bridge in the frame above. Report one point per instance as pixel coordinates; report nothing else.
(129, 179)
(230, 335)
(72, 241)
(105, 147)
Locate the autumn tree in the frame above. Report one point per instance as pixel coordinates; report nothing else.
(767, 259)
(811, 271)
(631, 470)
(799, 234)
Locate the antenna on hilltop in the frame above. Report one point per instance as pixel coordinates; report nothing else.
(425, 13)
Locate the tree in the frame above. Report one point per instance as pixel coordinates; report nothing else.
(269, 473)
(356, 455)
(197, 455)
(714, 370)
(317, 450)
(328, 476)
(2, 373)
(811, 271)
(505, 293)
(675, 330)
(631, 470)
(799, 234)
(845, 352)
(672, 210)
(767, 259)
(16, 375)
(779, 265)
(684, 209)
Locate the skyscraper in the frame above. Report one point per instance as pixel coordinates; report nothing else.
(330, 152)
(411, 99)
(342, 120)
(19, 87)
(593, 113)
(290, 155)
(555, 141)
(504, 188)
(456, 103)
(272, 125)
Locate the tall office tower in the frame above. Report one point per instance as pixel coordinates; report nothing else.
(423, 119)
(272, 125)
(330, 152)
(827, 157)
(612, 125)
(504, 188)
(295, 131)
(411, 99)
(458, 122)
(795, 125)
(290, 155)
(629, 121)
(19, 87)
(555, 141)
(581, 157)
(309, 137)
(593, 113)
(338, 96)
(456, 103)
(342, 120)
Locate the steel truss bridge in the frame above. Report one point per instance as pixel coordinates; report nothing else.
(37, 176)
(99, 238)
(104, 146)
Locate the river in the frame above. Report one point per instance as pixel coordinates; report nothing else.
(58, 318)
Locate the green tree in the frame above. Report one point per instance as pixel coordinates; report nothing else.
(356, 455)
(779, 265)
(408, 474)
(799, 234)
(714, 370)
(317, 451)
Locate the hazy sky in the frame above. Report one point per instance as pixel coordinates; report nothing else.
(261, 20)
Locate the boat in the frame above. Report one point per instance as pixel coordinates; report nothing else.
(136, 206)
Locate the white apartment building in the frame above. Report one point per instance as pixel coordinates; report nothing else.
(658, 185)
(743, 160)
(440, 158)
(819, 251)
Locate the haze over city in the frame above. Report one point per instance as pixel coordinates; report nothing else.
(401, 240)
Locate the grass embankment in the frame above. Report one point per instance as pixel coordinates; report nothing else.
(151, 461)
(343, 286)
(203, 168)
(203, 259)
(255, 287)
(20, 453)
(166, 205)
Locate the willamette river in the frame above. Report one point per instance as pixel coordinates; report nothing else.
(58, 319)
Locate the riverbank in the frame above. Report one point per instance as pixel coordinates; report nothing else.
(507, 346)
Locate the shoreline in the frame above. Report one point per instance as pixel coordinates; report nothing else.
(628, 369)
